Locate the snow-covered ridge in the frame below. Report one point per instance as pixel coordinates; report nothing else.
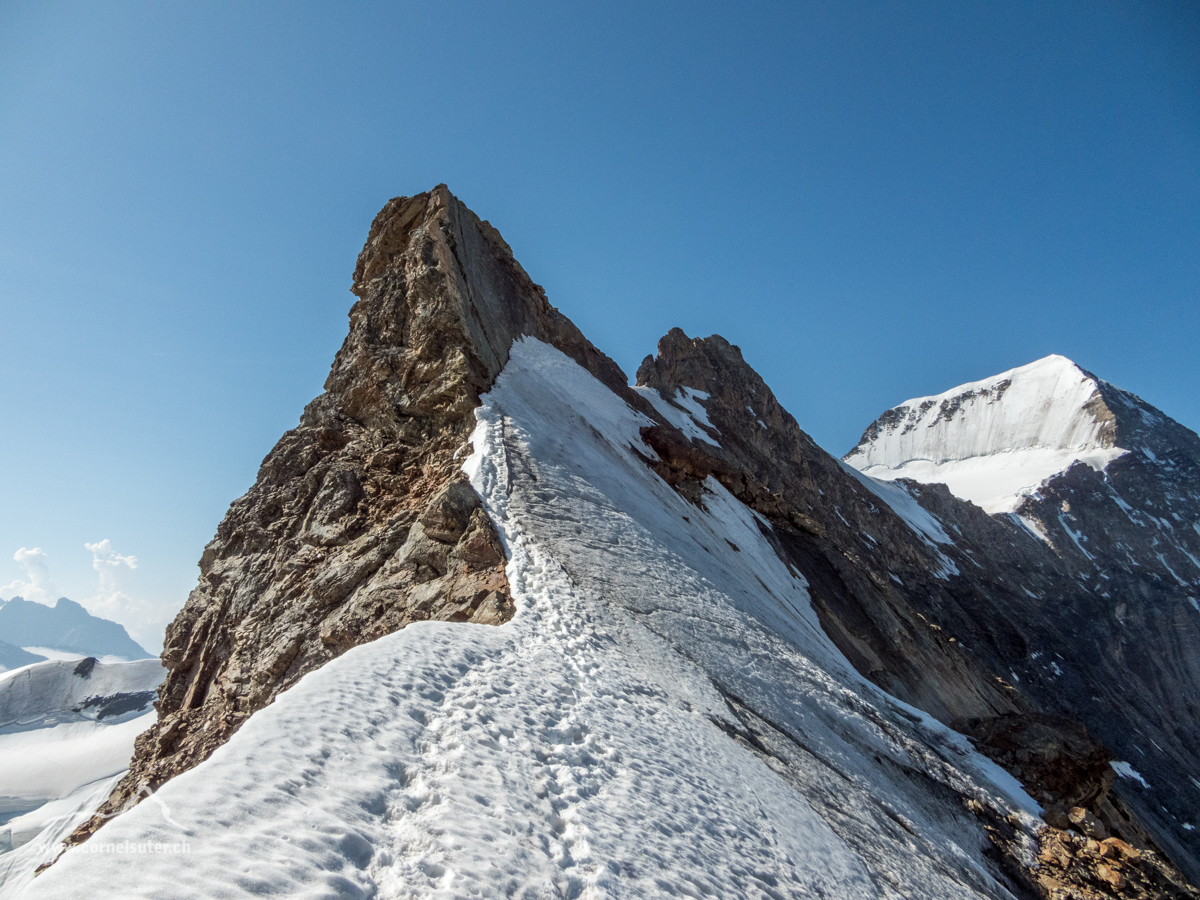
(594, 746)
(994, 441)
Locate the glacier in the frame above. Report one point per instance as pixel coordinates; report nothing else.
(67, 730)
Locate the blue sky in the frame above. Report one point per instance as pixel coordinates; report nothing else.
(874, 200)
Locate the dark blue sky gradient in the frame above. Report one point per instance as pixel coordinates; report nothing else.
(874, 200)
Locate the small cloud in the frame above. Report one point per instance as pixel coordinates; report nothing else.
(145, 620)
(108, 561)
(39, 588)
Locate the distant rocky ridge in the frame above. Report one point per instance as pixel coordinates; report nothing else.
(360, 523)
(13, 657)
(66, 626)
(1110, 567)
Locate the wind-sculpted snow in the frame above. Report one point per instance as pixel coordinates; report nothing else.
(662, 717)
(993, 441)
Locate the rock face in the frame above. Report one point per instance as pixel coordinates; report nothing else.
(360, 520)
(1109, 569)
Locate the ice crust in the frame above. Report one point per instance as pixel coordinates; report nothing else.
(1008, 435)
(598, 744)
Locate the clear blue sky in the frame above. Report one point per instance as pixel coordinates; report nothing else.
(874, 200)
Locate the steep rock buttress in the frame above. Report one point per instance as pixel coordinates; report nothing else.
(360, 520)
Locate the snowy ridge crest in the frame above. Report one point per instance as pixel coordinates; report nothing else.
(596, 745)
(994, 441)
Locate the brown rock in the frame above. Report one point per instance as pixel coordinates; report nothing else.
(360, 521)
(1116, 848)
(1087, 824)
(1112, 875)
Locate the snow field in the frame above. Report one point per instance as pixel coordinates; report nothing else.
(42, 832)
(44, 688)
(58, 758)
(50, 763)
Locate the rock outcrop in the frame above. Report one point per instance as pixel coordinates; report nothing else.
(360, 521)
(861, 558)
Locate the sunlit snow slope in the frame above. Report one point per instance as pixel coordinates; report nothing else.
(662, 717)
(993, 441)
(66, 729)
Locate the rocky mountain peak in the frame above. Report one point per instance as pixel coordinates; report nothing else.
(441, 299)
(710, 377)
(696, 363)
(361, 521)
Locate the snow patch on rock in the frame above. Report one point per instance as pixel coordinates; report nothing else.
(683, 411)
(1125, 770)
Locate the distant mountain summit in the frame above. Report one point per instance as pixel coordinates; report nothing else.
(1110, 485)
(1093, 470)
(66, 626)
(994, 441)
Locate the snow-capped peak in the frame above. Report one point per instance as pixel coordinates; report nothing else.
(994, 441)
